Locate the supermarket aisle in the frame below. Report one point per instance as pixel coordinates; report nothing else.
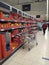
(35, 55)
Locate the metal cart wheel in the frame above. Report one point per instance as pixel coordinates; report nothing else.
(29, 49)
(23, 47)
(36, 43)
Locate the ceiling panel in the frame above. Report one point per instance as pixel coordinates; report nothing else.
(24, 1)
(15, 2)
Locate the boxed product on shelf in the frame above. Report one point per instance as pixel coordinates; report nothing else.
(6, 47)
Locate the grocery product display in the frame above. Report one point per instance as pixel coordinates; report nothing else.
(13, 28)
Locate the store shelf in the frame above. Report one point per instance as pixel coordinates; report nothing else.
(21, 27)
(15, 21)
(7, 29)
(7, 24)
(2, 61)
(31, 22)
(11, 21)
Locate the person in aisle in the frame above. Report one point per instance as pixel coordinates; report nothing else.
(48, 25)
(44, 26)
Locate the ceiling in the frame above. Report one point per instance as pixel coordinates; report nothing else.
(15, 2)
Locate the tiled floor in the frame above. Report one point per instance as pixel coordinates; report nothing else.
(35, 55)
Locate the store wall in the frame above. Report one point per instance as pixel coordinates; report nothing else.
(38, 8)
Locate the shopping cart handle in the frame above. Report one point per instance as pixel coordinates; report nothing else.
(16, 35)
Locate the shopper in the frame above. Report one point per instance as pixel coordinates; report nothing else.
(44, 26)
(48, 25)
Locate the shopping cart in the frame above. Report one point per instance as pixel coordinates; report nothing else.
(29, 40)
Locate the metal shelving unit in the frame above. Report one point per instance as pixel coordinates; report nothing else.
(24, 26)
